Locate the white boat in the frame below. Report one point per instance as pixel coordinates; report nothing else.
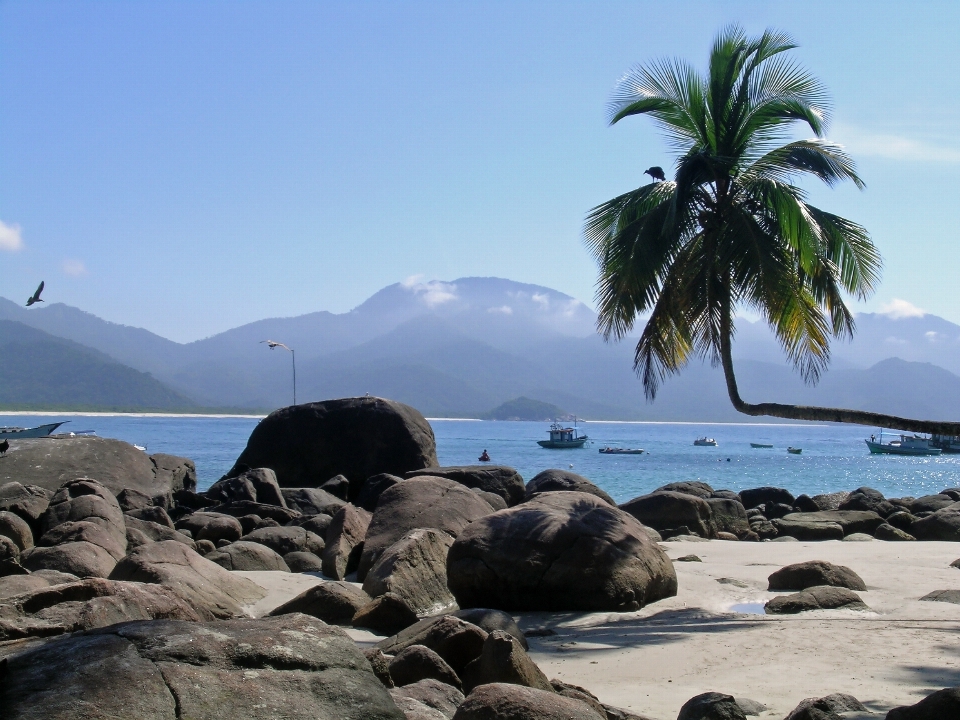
(19, 433)
(621, 451)
(705, 442)
(906, 445)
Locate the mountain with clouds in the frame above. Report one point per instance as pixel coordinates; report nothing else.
(464, 347)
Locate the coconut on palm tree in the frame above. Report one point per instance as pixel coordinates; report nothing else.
(732, 230)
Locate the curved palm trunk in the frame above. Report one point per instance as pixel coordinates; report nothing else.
(819, 414)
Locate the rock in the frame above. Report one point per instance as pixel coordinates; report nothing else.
(688, 558)
(830, 501)
(130, 499)
(489, 620)
(312, 501)
(249, 523)
(418, 662)
(372, 488)
(728, 516)
(21, 584)
(414, 709)
(11, 566)
(578, 693)
(317, 524)
(209, 589)
(801, 576)
(50, 462)
(303, 562)
(27, 501)
(440, 696)
(944, 524)
(239, 508)
(950, 596)
(859, 537)
(805, 503)
(345, 534)
(711, 706)
(338, 486)
(891, 533)
(86, 604)
(940, 705)
(865, 498)
(85, 499)
(559, 551)
(766, 530)
(8, 549)
(85, 531)
(751, 707)
(494, 501)
(666, 510)
(822, 597)
(242, 555)
(421, 502)
(826, 708)
(292, 667)
(136, 538)
(82, 559)
(774, 510)
(381, 666)
(386, 615)
(902, 520)
(152, 514)
(333, 602)
(555, 480)
(155, 531)
(504, 701)
(807, 529)
(17, 529)
(728, 536)
(456, 641)
(283, 540)
(503, 659)
(851, 521)
(497, 479)
(931, 503)
(726, 494)
(414, 569)
(758, 496)
(211, 526)
(688, 487)
(258, 485)
(307, 444)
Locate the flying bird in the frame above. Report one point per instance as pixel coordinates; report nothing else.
(656, 172)
(36, 296)
(4, 446)
(273, 343)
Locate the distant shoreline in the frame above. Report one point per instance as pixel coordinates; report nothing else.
(84, 413)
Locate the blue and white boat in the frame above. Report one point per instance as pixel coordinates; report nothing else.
(19, 433)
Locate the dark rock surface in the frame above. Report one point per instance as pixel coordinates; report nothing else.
(257, 485)
(333, 602)
(930, 503)
(556, 480)
(823, 597)
(241, 508)
(688, 487)
(27, 501)
(503, 701)
(312, 501)
(711, 706)
(422, 502)
(489, 620)
(211, 526)
(758, 496)
(559, 551)
(728, 516)
(386, 615)
(418, 662)
(826, 708)
(503, 659)
(950, 596)
(344, 541)
(301, 562)
(152, 514)
(306, 445)
(890, 533)
(455, 640)
(851, 521)
(442, 697)
(290, 666)
(801, 576)
(283, 540)
(666, 510)
(415, 569)
(497, 479)
(243, 555)
(941, 705)
(155, 531)
(372, 488)
(944, 524)
(50, 462)
(83, 559)
(338, 486)
(803, 529)
(17, 529)
(865, 498)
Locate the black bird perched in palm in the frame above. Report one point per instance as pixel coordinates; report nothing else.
(36, 296)
(4, 446)
(656, 172)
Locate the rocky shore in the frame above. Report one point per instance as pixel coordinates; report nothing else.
(337, 572)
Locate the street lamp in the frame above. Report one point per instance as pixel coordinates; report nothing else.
(293, 356)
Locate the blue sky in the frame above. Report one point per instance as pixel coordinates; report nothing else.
(191, 166)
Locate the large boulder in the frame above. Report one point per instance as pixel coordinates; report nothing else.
(373, 487)
(505, 701)
(803, 529)
(17, 529)
(850, 521)
(306, 445)
(414, 569)
(865, 498)
(666, 510)
(419, 662)
(244, 555)
(283, 540)
(503, 659)
(27, 501)
(688, 487)
(422, 502)
(86, 604)
(85, 499)
(489, 620)
(559, 551)
(344, 541)
(211, 591)
(822, 597)
(156, 531)
(50, 462)
(826, 708)
(497, 479)
(944, 524)
(754, 497)
(443, 698)
(801, 576)
(211, 526)
(940, 705)
(83, 559)
(728, 515)
(711, 706)
(291, 666)
(930, 503)
(556, 480)
(258, 485)
(386, 615)
(312, 501)
(28, 582)
(333, 602)
(456, 641)
(85, 531)
(241, 508)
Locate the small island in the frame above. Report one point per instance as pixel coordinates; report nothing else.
(524, 408)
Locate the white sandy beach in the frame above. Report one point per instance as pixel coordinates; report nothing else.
(654, 660)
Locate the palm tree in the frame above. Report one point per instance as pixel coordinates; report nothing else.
(732, 230)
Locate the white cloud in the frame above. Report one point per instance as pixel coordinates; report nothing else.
(73, 268)
(542, 300)
(898, 309)
(433, 292)
(895, 341)
(571, 307)
(412, 281)
(503, 310)
(894, 147)
(10, 237)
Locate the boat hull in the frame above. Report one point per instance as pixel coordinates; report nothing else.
(562, 444)
(28, 433)
(759, 445)
(879, 449)
(618, 451)
(794, 451)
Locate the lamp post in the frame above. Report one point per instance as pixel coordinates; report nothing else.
(293, 356)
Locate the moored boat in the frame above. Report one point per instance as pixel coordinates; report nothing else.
(19, 433)
(562, 438)
(705, 442)
(760, 445)
(620, 451)
(906, 445)
(794, 451)
(948, 444)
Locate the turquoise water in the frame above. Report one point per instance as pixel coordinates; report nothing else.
(834, 457)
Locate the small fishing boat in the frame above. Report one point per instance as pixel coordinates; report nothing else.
(562, 438)
(906, 445)
(760, 445)
(705, 442)
(794, 451)
(620, 451)
(949, 445)
(19, 433)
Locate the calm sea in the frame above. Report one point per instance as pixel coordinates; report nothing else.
(834, 457)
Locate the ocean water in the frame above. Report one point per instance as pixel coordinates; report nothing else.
(834, 456)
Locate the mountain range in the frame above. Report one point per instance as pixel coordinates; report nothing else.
(460, 349)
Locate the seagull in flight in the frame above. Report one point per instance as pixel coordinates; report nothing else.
(36, 296)
(273, 343)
